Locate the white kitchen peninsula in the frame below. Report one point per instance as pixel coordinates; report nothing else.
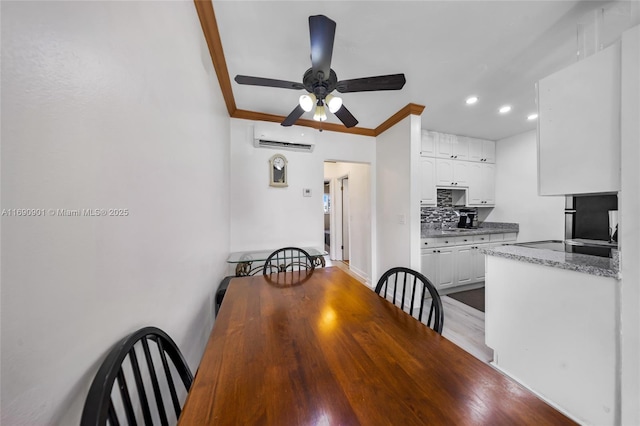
(552, 321)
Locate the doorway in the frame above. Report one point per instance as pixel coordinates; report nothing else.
(349, 202)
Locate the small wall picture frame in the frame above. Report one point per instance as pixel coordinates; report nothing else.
(278, 173)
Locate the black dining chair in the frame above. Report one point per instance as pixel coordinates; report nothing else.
(288, 259)
(409, 292)
(136, 382)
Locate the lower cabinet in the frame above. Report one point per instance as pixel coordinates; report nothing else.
(453, 262)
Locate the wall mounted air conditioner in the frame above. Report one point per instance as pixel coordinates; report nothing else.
(274, 136)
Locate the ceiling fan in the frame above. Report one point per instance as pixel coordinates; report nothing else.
(320, 80)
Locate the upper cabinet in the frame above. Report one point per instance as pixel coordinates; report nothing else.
(452, 173)
(457, 161)
(481, 150)
(482, 185)
(428, 143)
(579, 127)
(454, 147)
(428, 193)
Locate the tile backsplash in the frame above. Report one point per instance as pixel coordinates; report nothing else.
(444, 214)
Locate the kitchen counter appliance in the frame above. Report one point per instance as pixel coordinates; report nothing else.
(592, 217)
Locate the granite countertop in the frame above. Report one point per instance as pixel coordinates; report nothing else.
(594, 265)
(484, 228)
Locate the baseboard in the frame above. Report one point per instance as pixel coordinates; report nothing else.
(363, 276)
(460, 288)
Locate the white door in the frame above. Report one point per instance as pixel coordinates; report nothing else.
(345, 218)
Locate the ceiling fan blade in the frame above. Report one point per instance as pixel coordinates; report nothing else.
(268, 82)
(293, 117)
(322, 31)
(346, 117)
(381, 82)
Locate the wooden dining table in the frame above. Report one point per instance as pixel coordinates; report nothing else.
(321, 348)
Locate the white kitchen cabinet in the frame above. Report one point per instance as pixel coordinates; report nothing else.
(460, 148)
(452, 172)
(428, 143)
(429, 264)
(477, 261)
(428, 193)
(482, 184)
(452, 146)
(579, 127)
(438, 265)
(482, 150)
(464, 265)
(457, 261)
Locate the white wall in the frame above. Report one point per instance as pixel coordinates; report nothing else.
(629, 228)
(360, 213)
(105, 105)
(264, 217)
(398, 199)
(517, 199)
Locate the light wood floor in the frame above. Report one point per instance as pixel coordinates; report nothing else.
(463, 325)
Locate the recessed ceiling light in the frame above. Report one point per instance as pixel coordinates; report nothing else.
(532, 117)
(471, 100)
(504, 109)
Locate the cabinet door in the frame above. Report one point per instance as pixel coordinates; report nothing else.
(489, 184)
(474, 196)
(444, 172)
(443, 146)
(428, 144)
(460, 148)
(461, 173)
(428, 195)
(477, 261)
(445, 266)
(475, 149)
(429, 265)
(488, 151)
(464, 265)
(579, 127)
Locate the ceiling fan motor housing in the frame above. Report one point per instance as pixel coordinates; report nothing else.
(316, 85)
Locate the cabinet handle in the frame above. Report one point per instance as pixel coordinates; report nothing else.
(435, 251)
(446, 242)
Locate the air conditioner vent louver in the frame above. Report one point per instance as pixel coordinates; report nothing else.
(291, 146)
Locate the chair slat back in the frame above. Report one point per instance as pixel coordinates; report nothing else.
(288, 259)
(416, 292)
(127, 381)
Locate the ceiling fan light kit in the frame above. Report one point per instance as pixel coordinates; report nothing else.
(320, 80)
(307, 102)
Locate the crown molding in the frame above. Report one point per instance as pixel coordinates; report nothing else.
(409, 109)
(333, 127)
(212, 36)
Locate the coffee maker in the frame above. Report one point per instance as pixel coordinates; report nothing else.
(467, 219)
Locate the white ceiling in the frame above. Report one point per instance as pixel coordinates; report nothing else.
(447, 50)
